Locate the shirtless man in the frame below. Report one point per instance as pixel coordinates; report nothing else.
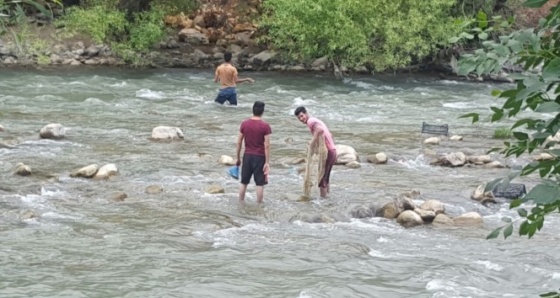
(319, 130)
(226, 74)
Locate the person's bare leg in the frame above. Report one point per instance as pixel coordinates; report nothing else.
(324, 191)
(260, 194)
(242, 191)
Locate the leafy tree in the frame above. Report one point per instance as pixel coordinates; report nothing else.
(538, 90)
(384, 34)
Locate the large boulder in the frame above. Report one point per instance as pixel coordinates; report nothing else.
(433, 205)
(442, 220)
(106, 171)
(469, 219)
(192, 36)
(409, 219)
(52, 131)
(167, 133)
(345, 154)
(86, 172)
(263, 58)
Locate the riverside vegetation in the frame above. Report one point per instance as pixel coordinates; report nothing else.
(359, 35)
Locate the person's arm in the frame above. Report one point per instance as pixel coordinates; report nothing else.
(317, 133)
(238, 149)
(237, 81)
(216, 76)
(266, 168)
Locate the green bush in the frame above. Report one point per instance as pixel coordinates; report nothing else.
(388, 34)
(100, 22)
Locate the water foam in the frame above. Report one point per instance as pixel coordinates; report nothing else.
(149, 94)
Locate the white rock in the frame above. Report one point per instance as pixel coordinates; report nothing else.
(2, 128)
(468, 219)
(345, 154)
(409, 218)
(87, 171)
(227, 160)
(456, 138)
(379, 158)
(53, 131)
(353, 165)
(106, 171)
(167, 133)
(433, 205)
(432, 141)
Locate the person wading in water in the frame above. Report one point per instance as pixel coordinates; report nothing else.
(255, 133)
(226, 75)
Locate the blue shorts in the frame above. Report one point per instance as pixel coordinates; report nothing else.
(227, 94)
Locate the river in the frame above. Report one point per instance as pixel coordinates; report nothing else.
(184, 242)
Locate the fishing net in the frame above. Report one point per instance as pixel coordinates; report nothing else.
(315, 154)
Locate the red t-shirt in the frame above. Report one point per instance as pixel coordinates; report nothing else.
(254, 132)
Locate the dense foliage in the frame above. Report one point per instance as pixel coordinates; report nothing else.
(538, 90)
(383, 34)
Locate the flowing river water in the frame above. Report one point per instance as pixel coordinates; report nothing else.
(184, 242)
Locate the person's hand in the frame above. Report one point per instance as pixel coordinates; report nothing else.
(238, 162)
(266, 168)
(250, 80)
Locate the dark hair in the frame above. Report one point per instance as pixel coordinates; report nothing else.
(227, 56)
(258, 108)
(300, 110)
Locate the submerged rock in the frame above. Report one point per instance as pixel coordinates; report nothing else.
(167, 133)
(86, 172)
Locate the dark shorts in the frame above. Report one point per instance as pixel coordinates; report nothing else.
(253, 166)
(227, 94)
(331, 159)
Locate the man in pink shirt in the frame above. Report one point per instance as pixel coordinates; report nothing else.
(320, 130)
(255, 133)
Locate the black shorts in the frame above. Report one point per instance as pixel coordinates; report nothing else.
(253, 166)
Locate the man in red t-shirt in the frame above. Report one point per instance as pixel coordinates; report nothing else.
(256, 134)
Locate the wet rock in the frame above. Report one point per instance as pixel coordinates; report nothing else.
(543, 156)
(409, 219)
(404, 203)
(154, 189)
(390, 210)
(433, 205)
(320, 63)
(22, 170)
(118, 196)
(28, 214)
(86, 172)
(297, 68)
(442, 220)
(345, 154)
(353, 165)
(167, 133)
(226, 160)
(263, 58)
(215, 189)
(426, 215)
(455, 159)
(379, 158)
(106, 171)
(481, 196)
(361, 212)
(432, 141)
(479, 159)
(469, 219)
(494, 165)
(53, 131)
(2, 129)
(456, 138)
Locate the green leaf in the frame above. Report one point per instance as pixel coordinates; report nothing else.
(506, 219)
(520, 135)
(515, 203)
(508, 231)
(534, 3)
(496, 92)
(548, 107)
(552, 70)
(483, 36)
(474, 116)
(522, 212)
(543, 194)
(494, 234)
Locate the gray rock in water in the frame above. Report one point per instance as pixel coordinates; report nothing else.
(362, 212)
